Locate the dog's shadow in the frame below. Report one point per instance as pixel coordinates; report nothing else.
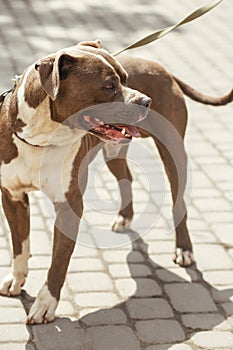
(164, 309)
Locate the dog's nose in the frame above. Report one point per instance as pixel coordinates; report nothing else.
(144, 101)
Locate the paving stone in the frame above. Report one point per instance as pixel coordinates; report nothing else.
(210, 204)
(59, 334)
(126, 287)
(13, 333)
(38, 262)
(65, 308)
(122, 256)
(213, 340)
(228, 307)
(231, 253)
(202, 321)
(40, 243)
(10, 302)
(12, 315)
(149, 308)
(5, 257)
(159, 331)
(81, 251)
(176, 275)
(169, 347)
(134, 270)
(89, 281)
(104, 299)
(34, 282)
(86, 311)
(222, 293)
(105, 317)
(161, 247)
(66, 292)
(139, 287)
(112, 337)
(190, 297)
(3, 242)
(219, 278)
(203, 237)
(198, 225)
(16, 346)
(221, 173)
(224, 232)
(218, 217)
(210, 262)
(85, 264)
(158, 234)
(162, 260)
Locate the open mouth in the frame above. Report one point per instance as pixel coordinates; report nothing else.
(110, 132)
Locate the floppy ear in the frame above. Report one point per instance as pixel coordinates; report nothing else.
(52, 70)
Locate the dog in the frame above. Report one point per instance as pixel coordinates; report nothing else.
(48, 124)
(42, 149)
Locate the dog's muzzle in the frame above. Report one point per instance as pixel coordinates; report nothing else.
(113, 121)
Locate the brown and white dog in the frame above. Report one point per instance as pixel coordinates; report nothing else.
(42, 149)
(47, 128)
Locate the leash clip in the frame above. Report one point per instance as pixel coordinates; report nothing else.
(16, 79)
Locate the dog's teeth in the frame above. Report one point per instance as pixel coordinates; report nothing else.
(97, 120)
(123, 131)
(101, 123)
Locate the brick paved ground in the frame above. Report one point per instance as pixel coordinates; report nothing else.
(132, 296)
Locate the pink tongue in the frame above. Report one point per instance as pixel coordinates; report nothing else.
(132, 130)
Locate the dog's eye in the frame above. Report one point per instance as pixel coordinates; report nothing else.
(109, 85)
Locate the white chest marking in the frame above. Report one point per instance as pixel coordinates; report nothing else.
(56, 170)
(40, 168)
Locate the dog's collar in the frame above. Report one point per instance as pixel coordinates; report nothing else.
(2, 98)
(23, 140)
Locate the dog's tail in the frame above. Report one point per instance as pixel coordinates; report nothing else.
(199, 97)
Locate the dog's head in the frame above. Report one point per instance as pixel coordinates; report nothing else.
(87, 90)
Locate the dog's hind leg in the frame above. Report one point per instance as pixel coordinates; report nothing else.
(115, 158)
(176, 169)
(17, 213)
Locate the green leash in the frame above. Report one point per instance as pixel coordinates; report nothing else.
(160, 33)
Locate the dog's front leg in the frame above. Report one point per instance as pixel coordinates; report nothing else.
(115, 158)
(17, 213)
(65, 234)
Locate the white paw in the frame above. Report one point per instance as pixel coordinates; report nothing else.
(43, 308)
(11, 285)
(121, 224)
(183, 257)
